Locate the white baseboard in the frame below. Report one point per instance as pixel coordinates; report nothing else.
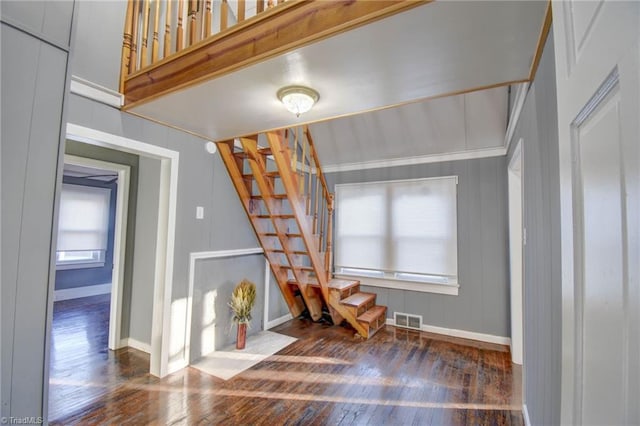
(135, 344)
(489, 338)
(276, 322)
(177, 365)
(525, 415)
(78, 292)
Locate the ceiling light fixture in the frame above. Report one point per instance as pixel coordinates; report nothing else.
(298, 99)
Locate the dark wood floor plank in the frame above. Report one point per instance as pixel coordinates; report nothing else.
(327, 377)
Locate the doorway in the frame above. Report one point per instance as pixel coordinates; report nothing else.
(115, 177)
(164, 238)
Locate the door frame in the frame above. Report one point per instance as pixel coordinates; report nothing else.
(516, 251)
(119, 239)
(165, 237)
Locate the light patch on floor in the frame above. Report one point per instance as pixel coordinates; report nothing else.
(229, 362)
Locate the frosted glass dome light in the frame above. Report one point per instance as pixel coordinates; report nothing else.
(298, 99)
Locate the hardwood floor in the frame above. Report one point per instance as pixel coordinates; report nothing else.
(327, 377)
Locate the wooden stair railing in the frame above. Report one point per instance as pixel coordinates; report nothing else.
(286, 197)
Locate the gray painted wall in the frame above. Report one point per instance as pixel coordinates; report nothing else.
(538, 127)
(482, 304)
(212, 326)
(33, 84)
(99, 23)
(141, 302)
(277, 306)
(33, 88)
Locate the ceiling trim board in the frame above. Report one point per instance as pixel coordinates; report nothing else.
(173, 126)
(542, 39)
(424, 159)
(514, 116)
(87, 89)
(284, 29)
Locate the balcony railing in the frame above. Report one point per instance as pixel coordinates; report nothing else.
(155, 29)
(171, 44)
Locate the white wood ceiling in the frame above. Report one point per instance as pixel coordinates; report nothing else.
(436, 49)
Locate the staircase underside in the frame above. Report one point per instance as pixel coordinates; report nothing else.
(292, 221)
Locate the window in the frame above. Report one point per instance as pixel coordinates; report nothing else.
(398, 230)
(82, 226)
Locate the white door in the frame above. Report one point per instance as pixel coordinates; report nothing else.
(598, 82)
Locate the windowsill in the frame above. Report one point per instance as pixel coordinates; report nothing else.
(449, 289)
(81, 265)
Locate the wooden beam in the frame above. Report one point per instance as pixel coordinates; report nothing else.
(280, 29)
(542, 39)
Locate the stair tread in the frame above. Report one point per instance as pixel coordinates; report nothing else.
(338, 284)
(358, 299)
(300, 252)
(294, 283)
(373, 314)
(272, 174)
(241, 154)
(277, 216)
(265, 151)
(247, 176)
(304, 268)
(276, 196)
(275, 234)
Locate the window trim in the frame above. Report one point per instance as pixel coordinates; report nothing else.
(62, 265)
(394, 284)
(451, 288)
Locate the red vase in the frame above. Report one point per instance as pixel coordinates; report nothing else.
(242, 335)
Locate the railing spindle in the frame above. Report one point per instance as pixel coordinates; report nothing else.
(167, 31)
(310, 176)
(321, 233)
(304, 153)
(208, 16)
(224, 12)
(294, 154)
(241, 10)
(193, 24)
(270, 4)
(259, 6)
(180, 29)
(315, 214)
(133, 64)
(126, 46)
(329, 238)
(155, 47)
(145, 34)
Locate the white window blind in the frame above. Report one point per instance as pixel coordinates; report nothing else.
(84, 218)
(404, 230)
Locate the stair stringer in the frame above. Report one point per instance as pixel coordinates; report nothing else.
(265, 186)
(280, 152)
(281, 275)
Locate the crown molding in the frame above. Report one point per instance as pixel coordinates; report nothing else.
(96, 92)
(423, 159)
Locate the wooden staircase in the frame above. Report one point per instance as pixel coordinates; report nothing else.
(279, 180)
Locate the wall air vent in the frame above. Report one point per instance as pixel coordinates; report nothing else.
(407, 320)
